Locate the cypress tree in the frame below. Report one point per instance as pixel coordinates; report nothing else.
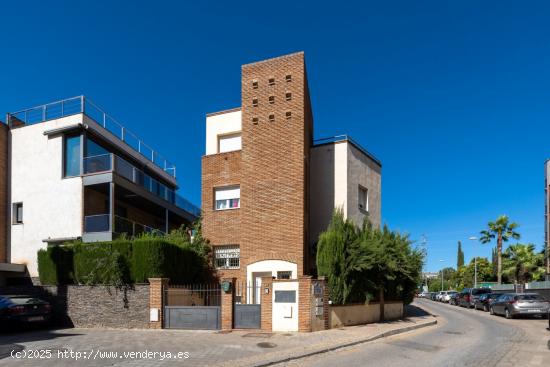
(459, 256)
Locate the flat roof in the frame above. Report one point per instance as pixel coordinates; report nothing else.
(342, 138)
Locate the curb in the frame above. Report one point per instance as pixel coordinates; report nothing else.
(384, 334)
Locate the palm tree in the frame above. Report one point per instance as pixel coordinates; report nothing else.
(522, 263)
(502, 230)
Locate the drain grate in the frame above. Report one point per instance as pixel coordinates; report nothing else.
(266, 345)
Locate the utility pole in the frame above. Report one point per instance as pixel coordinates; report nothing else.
(475, 262)
(441, 276)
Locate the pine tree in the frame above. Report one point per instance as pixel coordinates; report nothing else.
(459, 256)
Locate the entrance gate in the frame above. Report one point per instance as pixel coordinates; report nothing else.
(247, 308)
(194, 307)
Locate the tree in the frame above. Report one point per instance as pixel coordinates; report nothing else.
(464, 277)
(502, 230)
(332, 249)
(522, 264)
(459, 256)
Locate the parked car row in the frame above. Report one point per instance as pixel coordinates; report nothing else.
(508, 305)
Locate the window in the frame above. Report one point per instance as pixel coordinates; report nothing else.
(271, 99)
(288, 115)
(71, 156)
(288, 96)
(255, 102)
(227, 257)
(228, 197)
(17, 213)
(229, 143)
(255, 120)
(272, 117)
(285, 296)
(96, 158)
(284, 274)
(271, 81)
(363, 199)
(255, 84)
(288, 78)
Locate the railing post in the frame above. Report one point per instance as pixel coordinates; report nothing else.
(62, 108)
(104, 121)
(139, 145)
(44, 112)
(122, 133)
(82, 108)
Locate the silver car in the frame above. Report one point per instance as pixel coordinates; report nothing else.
(514, 304)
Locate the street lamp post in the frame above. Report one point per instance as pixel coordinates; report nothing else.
(475, 262)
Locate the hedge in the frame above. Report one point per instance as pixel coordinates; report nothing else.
(122, 262)
(55, 265)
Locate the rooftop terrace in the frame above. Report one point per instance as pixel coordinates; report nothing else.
(82, 104)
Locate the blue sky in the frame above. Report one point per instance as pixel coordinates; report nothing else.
(453, 97)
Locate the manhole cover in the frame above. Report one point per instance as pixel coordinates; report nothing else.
(266, 345)
(258, 335)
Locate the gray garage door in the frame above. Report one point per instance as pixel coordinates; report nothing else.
(247, 316)
(194, 307)
(192, 317)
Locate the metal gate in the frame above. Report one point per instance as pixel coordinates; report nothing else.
(247, 309)
(194, 307)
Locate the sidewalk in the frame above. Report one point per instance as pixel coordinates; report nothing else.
(204, 348)
(304, 345)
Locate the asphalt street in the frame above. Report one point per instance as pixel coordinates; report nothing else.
(463, 337)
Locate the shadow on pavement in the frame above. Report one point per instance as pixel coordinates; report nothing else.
(414, 311)
(10, 340)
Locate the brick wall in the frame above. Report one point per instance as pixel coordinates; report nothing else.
(266, 300)
(275, 155)
(93, 306)
(155, 298)
(3, 191)
(221, 227)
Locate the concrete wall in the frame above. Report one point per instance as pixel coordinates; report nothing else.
(363, 171)
(3, 192)
(221, 123)
(93, 306)
(337, 171)
(348, 315)
(52, 205)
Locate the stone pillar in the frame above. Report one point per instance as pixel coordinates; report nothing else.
(266, 300)
(227, 304)
(304, 303)
(326, 306)
(156, 301)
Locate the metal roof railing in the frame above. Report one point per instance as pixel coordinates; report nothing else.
(81, 104)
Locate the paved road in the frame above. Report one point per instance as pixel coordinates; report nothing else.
(462, 338)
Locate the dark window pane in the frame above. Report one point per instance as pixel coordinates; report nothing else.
(94, 149)
(285, 296)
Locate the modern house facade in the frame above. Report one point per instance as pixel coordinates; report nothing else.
(268, 189)
(74, 173)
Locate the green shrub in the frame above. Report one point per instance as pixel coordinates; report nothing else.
(55, 265)
(103, 263)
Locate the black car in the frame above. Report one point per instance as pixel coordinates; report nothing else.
(468, 296)
(454, 299)
(23, 310)
(485, 300)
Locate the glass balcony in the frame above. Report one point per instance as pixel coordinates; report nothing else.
(104, 163)
(101, 222)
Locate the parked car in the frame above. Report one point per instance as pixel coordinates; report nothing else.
(438, 296)
(424, 295)
(468, 296)
(446, 297)
(454, 299)
(433, 296)
(484, 301)
(513, 304)
(23, 310)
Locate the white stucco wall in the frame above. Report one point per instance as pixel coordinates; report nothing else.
(337, 170)
(272, 266)
(328, 185)
(221, 124)
(52, 206)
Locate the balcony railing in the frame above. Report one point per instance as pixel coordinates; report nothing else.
(81, 104)
(111, 162)
(101, 223)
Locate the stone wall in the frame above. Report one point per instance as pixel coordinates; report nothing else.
(93, 306)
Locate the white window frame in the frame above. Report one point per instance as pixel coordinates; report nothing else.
(364, 202)
(228, 254)
(225, 197)
(236, 146)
